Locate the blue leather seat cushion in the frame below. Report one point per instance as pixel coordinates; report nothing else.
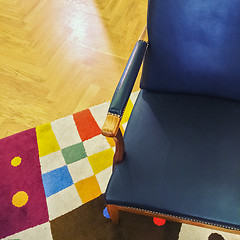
(182, 158)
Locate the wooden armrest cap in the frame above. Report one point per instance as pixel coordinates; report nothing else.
(111, 126)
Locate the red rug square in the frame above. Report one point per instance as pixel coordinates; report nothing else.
(86, 125)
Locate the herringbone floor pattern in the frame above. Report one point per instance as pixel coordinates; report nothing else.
(58, 57)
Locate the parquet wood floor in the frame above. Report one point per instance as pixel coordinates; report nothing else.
(58, 57)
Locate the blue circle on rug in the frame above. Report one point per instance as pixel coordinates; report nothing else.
(105, 213)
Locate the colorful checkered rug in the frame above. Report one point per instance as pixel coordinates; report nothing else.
(52, 180)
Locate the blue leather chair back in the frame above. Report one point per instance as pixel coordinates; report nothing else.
(194, 47)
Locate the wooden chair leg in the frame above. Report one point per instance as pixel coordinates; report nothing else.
(113, 212)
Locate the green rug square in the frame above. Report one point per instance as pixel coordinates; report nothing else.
(74, 153)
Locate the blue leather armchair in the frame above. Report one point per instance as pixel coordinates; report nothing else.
(180, 155)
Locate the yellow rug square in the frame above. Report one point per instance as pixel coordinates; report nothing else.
(122, 129)
(88, 189)
(110, 141)
(47, 142)
(127, 112)
(101, 160)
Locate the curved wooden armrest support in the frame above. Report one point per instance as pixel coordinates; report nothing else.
(111, 129)
(119, 152)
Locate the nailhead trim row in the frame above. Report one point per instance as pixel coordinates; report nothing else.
(185, 218)
(114, 114)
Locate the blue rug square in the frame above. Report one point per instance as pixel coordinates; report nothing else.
(56, 180)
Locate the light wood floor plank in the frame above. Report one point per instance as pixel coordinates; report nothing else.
(58, 57)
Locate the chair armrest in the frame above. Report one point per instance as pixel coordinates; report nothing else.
(124, 87)
(126, 83)
(121, 96)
